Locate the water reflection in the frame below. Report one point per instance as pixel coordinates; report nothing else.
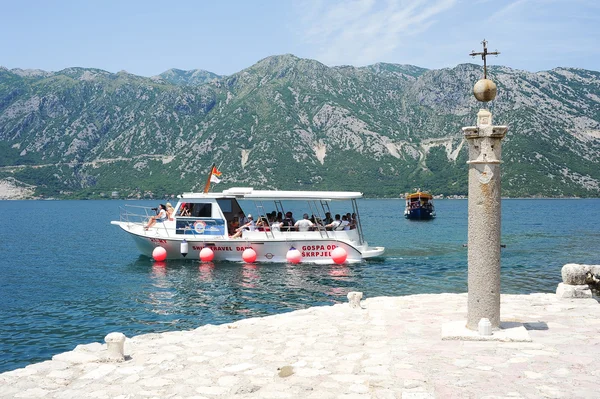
(339, 271)
(159, 269)
(206, 271)
(250, 275)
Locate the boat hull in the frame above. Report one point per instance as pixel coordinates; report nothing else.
(268, 247)
(419, 214)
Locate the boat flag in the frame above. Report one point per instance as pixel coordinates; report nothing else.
(213, 177)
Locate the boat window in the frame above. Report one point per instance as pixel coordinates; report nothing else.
(201, 210)
(225, 204)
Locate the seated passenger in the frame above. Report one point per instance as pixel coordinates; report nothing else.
(276, 225)
(317, 221)
(288, 221)
(353, 222)
(170, 211)
(233, 225)
(250, 226)
(305, 224)
(345, 225)
(184, 210)
(263, 224)
(335, 224)
(161, 216)
(243, 219)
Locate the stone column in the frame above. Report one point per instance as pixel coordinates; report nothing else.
(484, 220)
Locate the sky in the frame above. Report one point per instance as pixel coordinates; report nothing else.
(225, 36)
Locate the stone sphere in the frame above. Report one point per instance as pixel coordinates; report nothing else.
(484, 90)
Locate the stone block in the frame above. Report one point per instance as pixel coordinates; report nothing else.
(573, 291)
(354, 299)
(575, 274)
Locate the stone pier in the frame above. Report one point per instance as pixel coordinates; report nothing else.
(390, 347)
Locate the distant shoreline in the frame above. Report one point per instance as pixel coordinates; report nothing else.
(11, 191)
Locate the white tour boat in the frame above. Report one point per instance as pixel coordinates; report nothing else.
(210, 218)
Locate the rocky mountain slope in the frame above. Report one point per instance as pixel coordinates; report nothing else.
(292, 123)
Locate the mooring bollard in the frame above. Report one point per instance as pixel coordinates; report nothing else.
(115, 346)
(354, 299)
(485, 327)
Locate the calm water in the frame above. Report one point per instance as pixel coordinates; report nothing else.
(69, 277)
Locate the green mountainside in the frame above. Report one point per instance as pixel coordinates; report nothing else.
(292, 123)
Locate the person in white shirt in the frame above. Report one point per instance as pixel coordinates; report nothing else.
(305, 224)
(276, 225)
(161, 216)
(345, 224)
(335, 224)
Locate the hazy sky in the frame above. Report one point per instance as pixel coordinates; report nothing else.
(225, 36)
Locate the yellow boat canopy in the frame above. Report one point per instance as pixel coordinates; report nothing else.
(419, 195)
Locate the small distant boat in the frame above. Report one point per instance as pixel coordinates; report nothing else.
(419, 206)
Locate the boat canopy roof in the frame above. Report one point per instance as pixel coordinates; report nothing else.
(250, 193)
(419, 194)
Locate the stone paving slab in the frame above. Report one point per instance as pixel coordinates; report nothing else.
(391, 347)
(507, 332)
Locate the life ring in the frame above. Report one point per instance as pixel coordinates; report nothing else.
(199, 226)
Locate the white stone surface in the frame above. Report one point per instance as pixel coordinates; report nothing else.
(573, 291)
(392, 348)
(457, 330)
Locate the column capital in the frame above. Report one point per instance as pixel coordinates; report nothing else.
(484, 139)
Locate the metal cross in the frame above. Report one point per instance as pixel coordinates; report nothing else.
(483, 55)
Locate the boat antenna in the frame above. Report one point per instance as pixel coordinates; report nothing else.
(207, 185)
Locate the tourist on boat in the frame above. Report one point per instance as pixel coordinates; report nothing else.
(161, 216)
(316, 220)
(276, 225)
(243, 219)
(170, 211)
(353, 221)
(288, 221)
(184, 210)
(345, 224)
(250, 226)
(305, 224)
(335, 224)
(233, 225)
(263, 224)
(328, 219)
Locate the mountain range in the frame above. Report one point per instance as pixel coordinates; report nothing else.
(292, 123)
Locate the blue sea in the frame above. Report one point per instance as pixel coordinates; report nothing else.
(68, 277)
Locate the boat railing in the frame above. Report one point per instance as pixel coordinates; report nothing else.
(140, 215)
(135, 214)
